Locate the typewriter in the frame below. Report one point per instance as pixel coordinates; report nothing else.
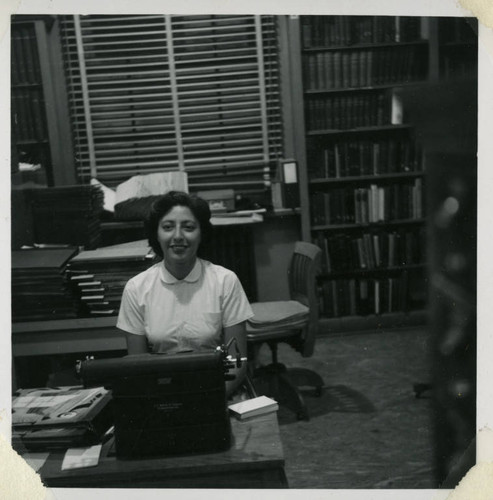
(166, 403)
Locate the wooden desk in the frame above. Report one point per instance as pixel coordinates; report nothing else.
(255, 460)
(64, 336)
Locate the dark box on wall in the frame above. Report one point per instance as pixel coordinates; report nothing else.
(220, 200)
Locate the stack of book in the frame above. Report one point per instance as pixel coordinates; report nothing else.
(68, 215)
(98, 277)
(39, 287)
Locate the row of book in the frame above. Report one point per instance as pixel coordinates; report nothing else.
(368, 205)
(347, 111)
(323, 31)
(381, 250)
(28, 114)
(362, 297)
(363, 68)
(364, 157)
(24, 55)
(68, 215)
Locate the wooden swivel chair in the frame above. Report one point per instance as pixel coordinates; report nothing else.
(294, 322)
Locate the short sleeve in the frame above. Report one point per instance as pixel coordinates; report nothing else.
(235, 306)
(131, 314)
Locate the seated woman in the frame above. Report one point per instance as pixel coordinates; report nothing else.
(183, 303)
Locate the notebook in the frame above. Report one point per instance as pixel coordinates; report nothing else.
(253, 407)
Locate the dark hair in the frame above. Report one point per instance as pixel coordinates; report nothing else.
(199, 208)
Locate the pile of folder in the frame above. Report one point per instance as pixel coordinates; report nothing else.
(39, 287)
(98, 276)
(59, 417)
(68, 215)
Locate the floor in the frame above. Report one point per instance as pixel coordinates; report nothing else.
(367, 430)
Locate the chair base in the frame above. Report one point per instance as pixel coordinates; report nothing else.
(277, 382)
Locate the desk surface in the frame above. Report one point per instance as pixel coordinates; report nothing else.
(255, 460)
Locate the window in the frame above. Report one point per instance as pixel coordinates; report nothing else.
(158, 93)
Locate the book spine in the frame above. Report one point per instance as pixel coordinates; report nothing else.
(321, 82)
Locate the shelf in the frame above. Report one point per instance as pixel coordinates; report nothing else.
(32, 142)
(369, 88)
(359, 130)
(363, 179)
(345, 325)
(369, 272)
(470, 79)
(371, 225)
(470, 44)
(365, 46)
(26, 85)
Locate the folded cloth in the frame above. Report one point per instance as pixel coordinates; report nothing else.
(134, 197)
(109, 195)
(142, 186)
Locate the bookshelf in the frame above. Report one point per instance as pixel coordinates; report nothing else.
(29, 127)
(364, 190)
(40, 123)
(457, 48)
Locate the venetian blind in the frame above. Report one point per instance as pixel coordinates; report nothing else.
(158, 93)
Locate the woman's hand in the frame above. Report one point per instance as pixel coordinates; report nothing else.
(239, 333)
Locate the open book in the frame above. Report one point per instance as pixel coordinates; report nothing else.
(253, 407)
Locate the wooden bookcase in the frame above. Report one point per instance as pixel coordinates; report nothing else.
(364, 192)
(40, 125)
(368, 97)
(457, 47)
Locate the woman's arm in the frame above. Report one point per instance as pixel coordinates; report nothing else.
(239, 333)
(136, 344)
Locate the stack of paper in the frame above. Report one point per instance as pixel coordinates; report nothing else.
(99, 276)
(39, 286)
(261, 405)
(59, 417)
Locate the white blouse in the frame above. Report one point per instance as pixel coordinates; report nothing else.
(181, 315)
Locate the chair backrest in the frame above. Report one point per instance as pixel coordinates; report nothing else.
(302, 275)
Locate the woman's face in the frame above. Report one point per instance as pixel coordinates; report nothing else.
(179, 235)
